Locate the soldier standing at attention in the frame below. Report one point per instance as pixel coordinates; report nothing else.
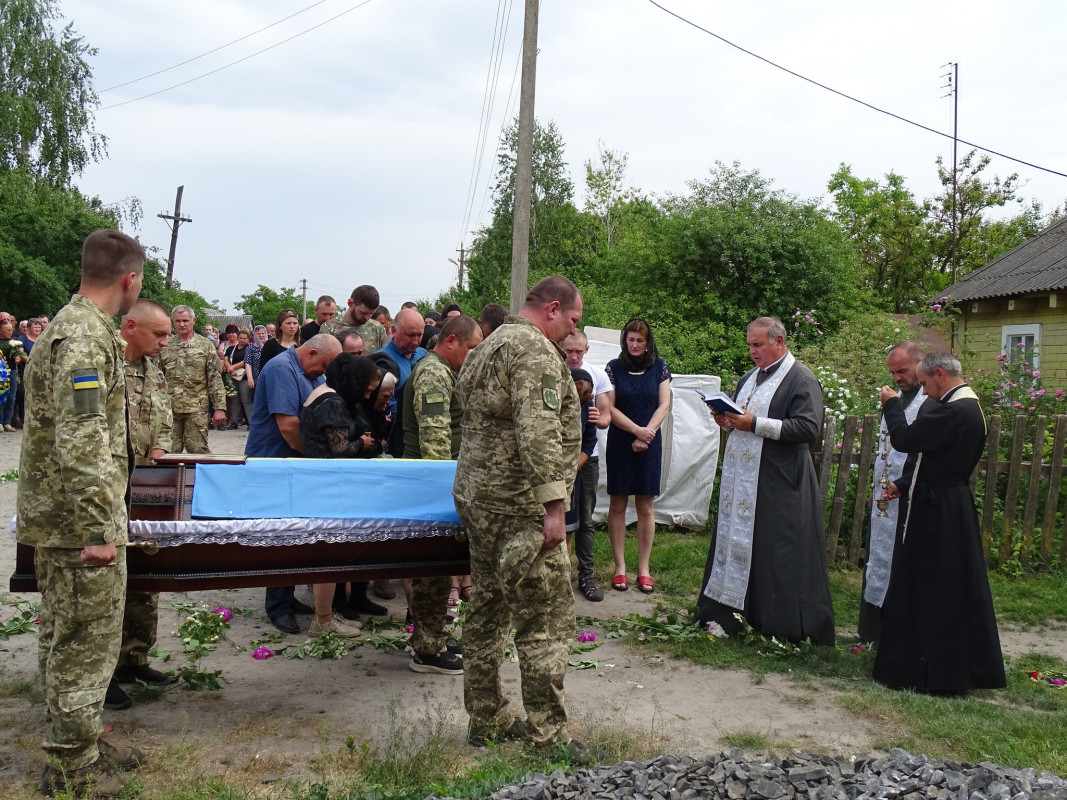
(73, 479)
(517, 463)
(146, 329)
(192, 368)
(431, 417)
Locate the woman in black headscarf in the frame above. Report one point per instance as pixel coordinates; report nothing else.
(332, 419)
(334, 424)
(639, 401)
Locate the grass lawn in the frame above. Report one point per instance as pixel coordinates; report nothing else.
(1023, 725)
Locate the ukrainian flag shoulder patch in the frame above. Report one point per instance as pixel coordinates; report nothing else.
(86, 379)
(86, 385)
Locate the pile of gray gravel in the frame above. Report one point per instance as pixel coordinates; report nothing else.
(899, 776)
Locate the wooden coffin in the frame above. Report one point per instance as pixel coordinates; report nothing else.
(164, 493)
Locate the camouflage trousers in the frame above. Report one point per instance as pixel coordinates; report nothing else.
(520, 587)
(139, 620)
(77, 648)
(428, 602)
(189, 433)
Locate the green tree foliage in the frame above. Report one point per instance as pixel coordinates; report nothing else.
(974, 197)
(42, 228)
(737, 249)
(888, 230)
(46, 94)
(556, 230)
(265, 304)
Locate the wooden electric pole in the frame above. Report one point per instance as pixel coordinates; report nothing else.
(520, 236)
(462, 264)
(176, 219)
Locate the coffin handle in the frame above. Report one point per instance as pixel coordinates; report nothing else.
(150, 548)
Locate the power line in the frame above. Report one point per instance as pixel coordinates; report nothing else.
(214, 50)
(850, 97)
(508, 115)
(492, 77)
(240, 60)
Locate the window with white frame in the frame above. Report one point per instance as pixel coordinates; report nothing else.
(1021, 343)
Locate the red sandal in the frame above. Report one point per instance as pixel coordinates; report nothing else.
(646, 584)
(620, 583)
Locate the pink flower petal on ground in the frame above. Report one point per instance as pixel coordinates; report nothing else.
(224, 612)
(263, 653)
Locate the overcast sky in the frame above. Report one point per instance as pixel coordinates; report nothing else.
(345, 155)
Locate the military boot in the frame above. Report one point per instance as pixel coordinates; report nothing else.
(96, 780)
(123, 758)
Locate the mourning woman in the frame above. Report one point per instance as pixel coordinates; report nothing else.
(639, 402)
(337, 421)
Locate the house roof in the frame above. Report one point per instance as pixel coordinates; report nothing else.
(1037, 265)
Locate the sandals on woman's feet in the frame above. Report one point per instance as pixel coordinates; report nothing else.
(465, 593)
(646, 584)
(620, 583)
(453, 597)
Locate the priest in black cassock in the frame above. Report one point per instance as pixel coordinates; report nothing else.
(768, 559)
(939, 633)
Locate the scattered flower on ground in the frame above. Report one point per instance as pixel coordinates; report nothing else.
(263, 653)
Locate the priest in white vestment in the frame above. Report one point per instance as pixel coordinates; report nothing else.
(768, 560)
(903, 364)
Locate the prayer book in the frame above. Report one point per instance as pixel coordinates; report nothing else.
(721, 402)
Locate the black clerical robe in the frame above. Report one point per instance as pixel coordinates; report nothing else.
(788, 593)
(939, 633)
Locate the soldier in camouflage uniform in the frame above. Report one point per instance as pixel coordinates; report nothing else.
(431, 417)
(72, 506)
(192, 366)
(361, 307)
(145, 329)
(517, 463)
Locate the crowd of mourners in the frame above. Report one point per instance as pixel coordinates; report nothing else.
(515, 401)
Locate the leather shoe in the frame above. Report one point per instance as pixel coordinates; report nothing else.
(286, 623)
(302, 608)
(116, 698)
(142, 672)
(364, 605)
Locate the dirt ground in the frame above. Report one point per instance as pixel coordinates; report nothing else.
(277, 714)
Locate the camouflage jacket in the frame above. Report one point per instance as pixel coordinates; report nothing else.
(432, 414)
(192, 370)
(372, 332)
(522, 428)
(149, 404)
(75, 466)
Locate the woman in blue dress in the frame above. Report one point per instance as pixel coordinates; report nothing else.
(639, 403)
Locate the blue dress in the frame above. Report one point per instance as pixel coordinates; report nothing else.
(636, 396)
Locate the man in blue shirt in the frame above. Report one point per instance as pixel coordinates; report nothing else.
(274, 432)
(404, 349)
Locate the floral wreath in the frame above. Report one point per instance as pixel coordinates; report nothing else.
(5, 377)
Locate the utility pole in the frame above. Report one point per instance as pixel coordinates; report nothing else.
(303, 300)
(520, 236)
(461, 265)
(176, 219)
(953, 253)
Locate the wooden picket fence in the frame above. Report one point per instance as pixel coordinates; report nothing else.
(1019, 509)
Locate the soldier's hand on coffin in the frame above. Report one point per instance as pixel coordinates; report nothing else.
(891, 492)
(98, 555)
